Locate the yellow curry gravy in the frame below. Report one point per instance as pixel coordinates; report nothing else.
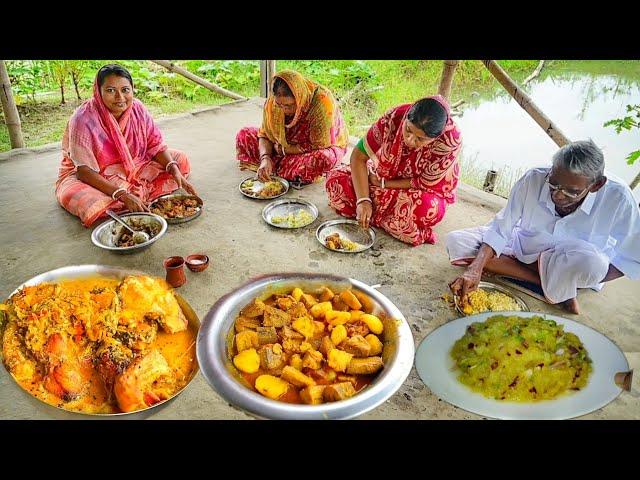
(178, 349)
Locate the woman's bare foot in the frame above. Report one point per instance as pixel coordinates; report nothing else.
(571, 305)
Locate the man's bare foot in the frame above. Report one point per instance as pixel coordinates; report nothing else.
(571, 305)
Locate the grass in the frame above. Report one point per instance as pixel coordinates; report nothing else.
(472, 173)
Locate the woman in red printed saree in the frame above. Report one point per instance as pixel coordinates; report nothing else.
(403, 173)
(302, 136)
(114, 156)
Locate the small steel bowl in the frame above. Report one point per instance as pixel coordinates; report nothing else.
(106, 234)
(197, 263)
(221, 374)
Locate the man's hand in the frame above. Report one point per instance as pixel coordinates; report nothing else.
(466, 283)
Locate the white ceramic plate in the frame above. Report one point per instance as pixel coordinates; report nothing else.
(436, 369)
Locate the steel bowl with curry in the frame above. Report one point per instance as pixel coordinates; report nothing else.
(98, 345)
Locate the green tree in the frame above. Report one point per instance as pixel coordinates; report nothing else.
(627, 123)
(76, 69)
(59, 71)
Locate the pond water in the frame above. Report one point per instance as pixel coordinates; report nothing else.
(500, 135)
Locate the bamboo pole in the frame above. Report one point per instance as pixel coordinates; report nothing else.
(448, 69)
(267, 71)
(535, 73)
(11, 116)
(200, 81)
(526, 103)
(635, 182)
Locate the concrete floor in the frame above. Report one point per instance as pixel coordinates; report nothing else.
(37, 235)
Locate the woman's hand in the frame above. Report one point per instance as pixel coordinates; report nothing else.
(374, 180)
(466, 283)
(278, 149)
(181, 180)
(364, 212)
(265, 170)
(133, 203)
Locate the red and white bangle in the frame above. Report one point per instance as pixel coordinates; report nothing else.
(168, 165)
(118, 190)
(364, 199)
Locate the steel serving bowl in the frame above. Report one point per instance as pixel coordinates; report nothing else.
(107, 233)
(221, 374)
(92, 271)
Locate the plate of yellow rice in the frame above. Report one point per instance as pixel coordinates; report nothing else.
(521, 365)
(489, 297)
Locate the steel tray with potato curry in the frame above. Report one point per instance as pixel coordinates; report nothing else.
(290, 319)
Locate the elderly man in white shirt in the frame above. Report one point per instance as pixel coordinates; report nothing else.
(564, 228)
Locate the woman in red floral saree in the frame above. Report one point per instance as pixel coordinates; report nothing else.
(403, 173)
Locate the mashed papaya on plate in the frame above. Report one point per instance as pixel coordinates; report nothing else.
(521, 359)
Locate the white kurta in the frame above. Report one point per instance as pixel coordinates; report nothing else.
(572, 251)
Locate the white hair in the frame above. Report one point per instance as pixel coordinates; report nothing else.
(583, 157)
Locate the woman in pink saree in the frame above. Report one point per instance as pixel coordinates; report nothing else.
(403, 173)
(114, 156)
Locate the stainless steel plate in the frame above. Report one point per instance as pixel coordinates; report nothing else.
(285, 207)
(349, 229)
(256, 187)
(488, 286)
(180, 196)
(107, 233)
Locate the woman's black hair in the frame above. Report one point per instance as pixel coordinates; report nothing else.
(281, 88)
(429, 116)
(113, 69)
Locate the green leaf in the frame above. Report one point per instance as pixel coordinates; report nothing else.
(632, 157)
